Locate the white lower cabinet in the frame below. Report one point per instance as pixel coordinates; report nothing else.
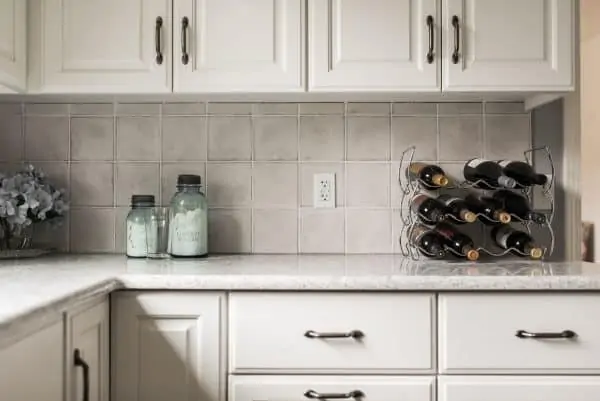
(303, 388)
(88, 354)
(521, 388)
(32, 369)
(167, 346)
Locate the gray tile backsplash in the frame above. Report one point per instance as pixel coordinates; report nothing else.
(257, 161)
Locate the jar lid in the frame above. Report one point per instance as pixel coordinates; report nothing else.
(189, 179)
(142, 200)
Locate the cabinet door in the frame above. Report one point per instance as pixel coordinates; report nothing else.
(239, 46)
(32, 369)
(107, 46)
(522, 388)
(13, 67)
(373, 45)
(508, 45)
(167, 346)
(89, 336)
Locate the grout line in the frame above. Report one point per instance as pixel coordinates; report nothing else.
(299, 183)
(345, 209)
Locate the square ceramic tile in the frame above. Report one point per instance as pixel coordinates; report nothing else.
(92, 109)
(414, 109)
(307, 173)
(321, 138)
(275, 231)
(92, 138)
(57, 174)
(369, 109)
(52, 234)
(368, 184)
(121, 229)
(229, 138)
(184, 109)
(415, 131)
(92, 230)
(322, 231)
(46, 138)
(460, 138)
(275, 185)
(138, 109)
(46, 109)
(230, 109)
(136, 179)
(92, 184)
(504, 108)
(11, 132)
(184, 139)
(275, 138)
(507, 136)
(170, 172)
(286, 109)
(368, 231)
(451, 108)
(138, 138)
(368, 138)
(229, 184)
(321, 108)
(229, 231)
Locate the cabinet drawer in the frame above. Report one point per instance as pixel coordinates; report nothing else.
(271, 332)
(294, 388)
(478, 333)
(521, 388)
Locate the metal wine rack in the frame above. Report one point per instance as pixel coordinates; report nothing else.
(410, 188)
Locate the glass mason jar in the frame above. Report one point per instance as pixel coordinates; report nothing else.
(188, 217)
(136, 237)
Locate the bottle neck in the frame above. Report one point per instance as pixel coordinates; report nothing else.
(192, 189)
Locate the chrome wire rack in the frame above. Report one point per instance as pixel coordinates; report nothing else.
(410, 188)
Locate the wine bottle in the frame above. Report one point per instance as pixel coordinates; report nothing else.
(520, 243)
(523, 173)
(457, 242)
(429, 243)
(429, 175)
(492, 213)
(487, 174)
(518, 205)
(429, 210)
(457, 208)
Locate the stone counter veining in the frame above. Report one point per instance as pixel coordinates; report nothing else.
(34, 293)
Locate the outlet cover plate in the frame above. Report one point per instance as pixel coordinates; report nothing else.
(324, 190)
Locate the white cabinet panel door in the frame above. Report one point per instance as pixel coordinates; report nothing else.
(13, 39)
(89, 336)
(101, 46)
(167, 346)
(239, 46)
(374, 45)
(521, 388)
(32, 369)
(508, 45)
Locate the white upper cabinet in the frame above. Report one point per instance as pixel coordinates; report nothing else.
(508, 45)
(239, 46)
(374, 45)
(108, 46)
(13, 41)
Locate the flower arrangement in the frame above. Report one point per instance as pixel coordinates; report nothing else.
(27, 198)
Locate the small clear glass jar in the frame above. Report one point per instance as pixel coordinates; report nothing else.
(188, 219)
(137, 218)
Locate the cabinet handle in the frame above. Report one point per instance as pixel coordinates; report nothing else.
(185, 57)
(85, 369)
(158, 40)
(313, 395)
(456, 25)
(562, 334)
(355, 334)
(431, 40)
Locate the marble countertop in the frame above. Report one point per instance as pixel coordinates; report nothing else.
(35, 292)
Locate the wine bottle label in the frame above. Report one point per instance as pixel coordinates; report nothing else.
(502, 236)
(475, 162)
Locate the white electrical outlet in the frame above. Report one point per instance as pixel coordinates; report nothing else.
(324, 190)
